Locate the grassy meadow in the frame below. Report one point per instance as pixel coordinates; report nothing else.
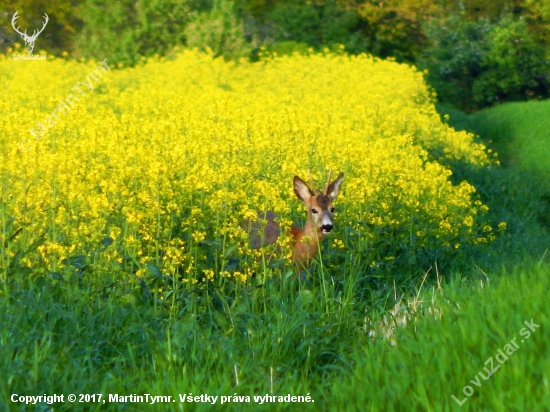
(125, 268)
(520, 131)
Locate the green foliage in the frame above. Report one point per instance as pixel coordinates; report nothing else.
(220, 31)
(318, 24)
(105, 336)
(109, 31)
(287, 48)
(476, 63)
(435, 359)
(394, 27)
(126, 30)
(161, 24)
(492, 10)
(514, 67)
(455, 58)
(75, 331)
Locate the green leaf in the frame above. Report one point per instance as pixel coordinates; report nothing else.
(230, 250)
(154, 269)
(108, 241)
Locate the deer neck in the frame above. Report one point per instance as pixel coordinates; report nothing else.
(310, 229)
(305, 250)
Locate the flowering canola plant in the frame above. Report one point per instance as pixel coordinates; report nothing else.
(159, 164)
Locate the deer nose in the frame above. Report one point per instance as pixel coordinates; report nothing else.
(326, 228)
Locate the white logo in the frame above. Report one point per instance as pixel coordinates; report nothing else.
(29, 40)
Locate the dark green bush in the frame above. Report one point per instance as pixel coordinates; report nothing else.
(110, 31)
(394, 28)
(319, 25)
(515, 67)
(219, 30)
(476, 63)
(287, 48)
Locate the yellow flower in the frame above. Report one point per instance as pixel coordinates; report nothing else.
(149, 162)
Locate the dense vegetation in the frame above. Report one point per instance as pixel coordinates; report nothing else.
(478, 53)
(124, 269)
(158, 166)
(124, 264)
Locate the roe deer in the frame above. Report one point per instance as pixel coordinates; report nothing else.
(320, 215)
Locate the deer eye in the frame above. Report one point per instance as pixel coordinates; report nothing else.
(332, 210)
(313, 210)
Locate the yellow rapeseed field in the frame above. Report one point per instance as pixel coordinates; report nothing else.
(159, 163)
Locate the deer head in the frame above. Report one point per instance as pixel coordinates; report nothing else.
(319, 204)
(29, 40)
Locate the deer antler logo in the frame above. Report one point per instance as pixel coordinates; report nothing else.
(29, 40)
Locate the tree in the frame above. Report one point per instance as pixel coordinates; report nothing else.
(126, 30)
(474, 63)
(395, 26)
(220, 31)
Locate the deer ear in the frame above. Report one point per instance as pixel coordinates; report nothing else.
(334, 188)
(303, 192)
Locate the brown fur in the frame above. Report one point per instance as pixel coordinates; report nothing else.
(305, 250)
(258, 237)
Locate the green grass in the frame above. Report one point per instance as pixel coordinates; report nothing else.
(435, 359)
(325, 337)
(59, 338)
(520, 132)
(281, 338)
(519, 192)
